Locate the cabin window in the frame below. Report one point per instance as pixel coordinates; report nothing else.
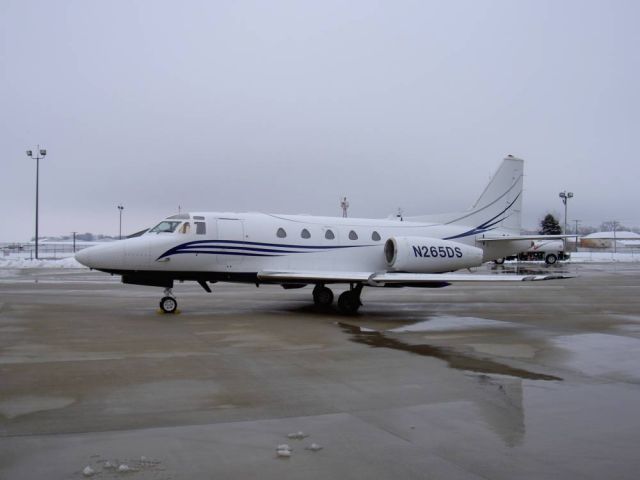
(305, 233)
(329, 235)
(281, 233)
(375, 236)
(353, 235)
(201, 228)
(185, 228)
(165, 227)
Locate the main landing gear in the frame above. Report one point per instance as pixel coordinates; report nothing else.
(322, 296)
(168, 303)
(348, 302)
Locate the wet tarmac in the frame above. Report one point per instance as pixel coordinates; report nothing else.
(531, 380)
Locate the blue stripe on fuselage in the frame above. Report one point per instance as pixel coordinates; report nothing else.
(190, 247)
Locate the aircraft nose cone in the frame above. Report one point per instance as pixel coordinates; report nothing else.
(84, 257)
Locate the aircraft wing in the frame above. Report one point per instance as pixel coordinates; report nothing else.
(381, 278)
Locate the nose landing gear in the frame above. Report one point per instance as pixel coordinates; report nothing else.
(168, 303)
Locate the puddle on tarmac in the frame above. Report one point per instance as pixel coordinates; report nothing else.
(602, 354)
(17, 406)
(449, 323)
(531, 269)
(454, 359)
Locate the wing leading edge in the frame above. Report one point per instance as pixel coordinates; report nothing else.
(380, 279)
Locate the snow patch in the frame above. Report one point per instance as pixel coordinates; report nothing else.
(600, 257)
(18, 263)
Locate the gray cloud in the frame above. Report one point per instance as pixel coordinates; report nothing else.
(285, 106)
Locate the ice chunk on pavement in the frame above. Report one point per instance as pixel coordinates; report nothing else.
(124, 468)
(88, 471)
(314, 447)
(284, 446)
(109, 465)
(284, 453)
(297, 436)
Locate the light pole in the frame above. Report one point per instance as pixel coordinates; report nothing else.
(40, 154)
(344, 204)
(577, 221)
(120, 208)
(565, 196)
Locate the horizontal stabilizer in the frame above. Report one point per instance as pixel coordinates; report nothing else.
(511, 238)
(381, 278)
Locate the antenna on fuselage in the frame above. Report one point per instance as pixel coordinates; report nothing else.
(344, 204)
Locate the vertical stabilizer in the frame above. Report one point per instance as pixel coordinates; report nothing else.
(498, 207)
(500, 204)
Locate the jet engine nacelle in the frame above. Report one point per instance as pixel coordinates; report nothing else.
(429, 255)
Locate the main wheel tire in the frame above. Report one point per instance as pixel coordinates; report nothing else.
(499, 261)
(168, 305)
(322, 296)
(550, 259)
(348, 302)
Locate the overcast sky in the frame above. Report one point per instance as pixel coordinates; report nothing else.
(286, 106)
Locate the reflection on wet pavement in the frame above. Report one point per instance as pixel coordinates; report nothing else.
(524, 269)
(454, 359)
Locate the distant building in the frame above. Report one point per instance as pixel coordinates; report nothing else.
(606, 239)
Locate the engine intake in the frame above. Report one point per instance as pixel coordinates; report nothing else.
(429, 255)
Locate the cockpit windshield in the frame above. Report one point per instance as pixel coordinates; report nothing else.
(166, 226)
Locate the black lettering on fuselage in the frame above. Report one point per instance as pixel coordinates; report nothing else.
(426, 251)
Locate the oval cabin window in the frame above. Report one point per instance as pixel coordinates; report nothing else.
(329, 235)
(281, 233)
(375, 236)
(353, 235)
(305, 233)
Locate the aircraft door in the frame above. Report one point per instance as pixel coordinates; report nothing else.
(232, 231)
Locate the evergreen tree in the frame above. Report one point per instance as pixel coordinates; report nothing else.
(550, 225)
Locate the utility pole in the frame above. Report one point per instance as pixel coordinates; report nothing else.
(615, 242)
(74, 241)
(40, 154)
(577, 221)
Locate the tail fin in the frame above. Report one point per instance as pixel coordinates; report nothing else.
(498, 207)
(500, 204)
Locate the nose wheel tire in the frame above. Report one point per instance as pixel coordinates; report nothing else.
(349, 302)
(322, 296)
(168, 305)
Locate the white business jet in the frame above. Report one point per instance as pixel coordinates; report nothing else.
(299, 250)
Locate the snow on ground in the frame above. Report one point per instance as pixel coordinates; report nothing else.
(17, 263)
(587, 257)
